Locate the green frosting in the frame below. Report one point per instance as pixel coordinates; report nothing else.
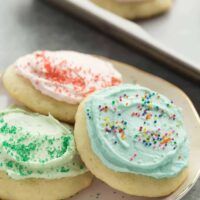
(36, 146)
(136, 130)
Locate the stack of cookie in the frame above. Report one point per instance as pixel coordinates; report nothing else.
(128, 136)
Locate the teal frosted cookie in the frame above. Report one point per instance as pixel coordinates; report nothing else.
(36, 153)
(134, 134)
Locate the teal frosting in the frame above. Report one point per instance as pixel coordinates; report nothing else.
(136, 130)
(37, 146)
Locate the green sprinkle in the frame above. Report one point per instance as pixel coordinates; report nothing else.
(26, 147)
(23, 151)
(9, 164)
(58, 152)
(82, 167)
(63, 169)
(50, 141)
(5, 129)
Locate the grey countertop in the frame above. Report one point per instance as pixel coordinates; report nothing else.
(28, 25)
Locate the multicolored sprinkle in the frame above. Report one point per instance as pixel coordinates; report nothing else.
(134, 129)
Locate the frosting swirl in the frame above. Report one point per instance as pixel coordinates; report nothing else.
(134, 129)
(66, 75)
(36, 146)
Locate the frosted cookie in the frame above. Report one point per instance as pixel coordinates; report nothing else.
(135, 9)
(56, 82)
(133, 139)
(38, 159)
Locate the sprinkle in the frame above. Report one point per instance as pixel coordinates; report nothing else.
(133, 156)
(146, 130)
(148, 116)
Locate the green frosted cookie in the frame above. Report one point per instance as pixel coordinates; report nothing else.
(37, 152)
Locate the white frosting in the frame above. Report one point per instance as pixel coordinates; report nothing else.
(66, 75)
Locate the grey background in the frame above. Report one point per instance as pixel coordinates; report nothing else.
(28, 25)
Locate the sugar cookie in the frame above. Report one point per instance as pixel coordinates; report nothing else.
(38, 159)
(135, 9)
(56, 82)
(133, 139)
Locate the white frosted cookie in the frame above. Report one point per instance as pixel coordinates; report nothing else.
(135, 9)
(133, 139)
(56, 82)
(38, 158)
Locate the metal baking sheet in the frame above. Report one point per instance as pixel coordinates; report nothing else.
(178, 29)
(172, 37)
